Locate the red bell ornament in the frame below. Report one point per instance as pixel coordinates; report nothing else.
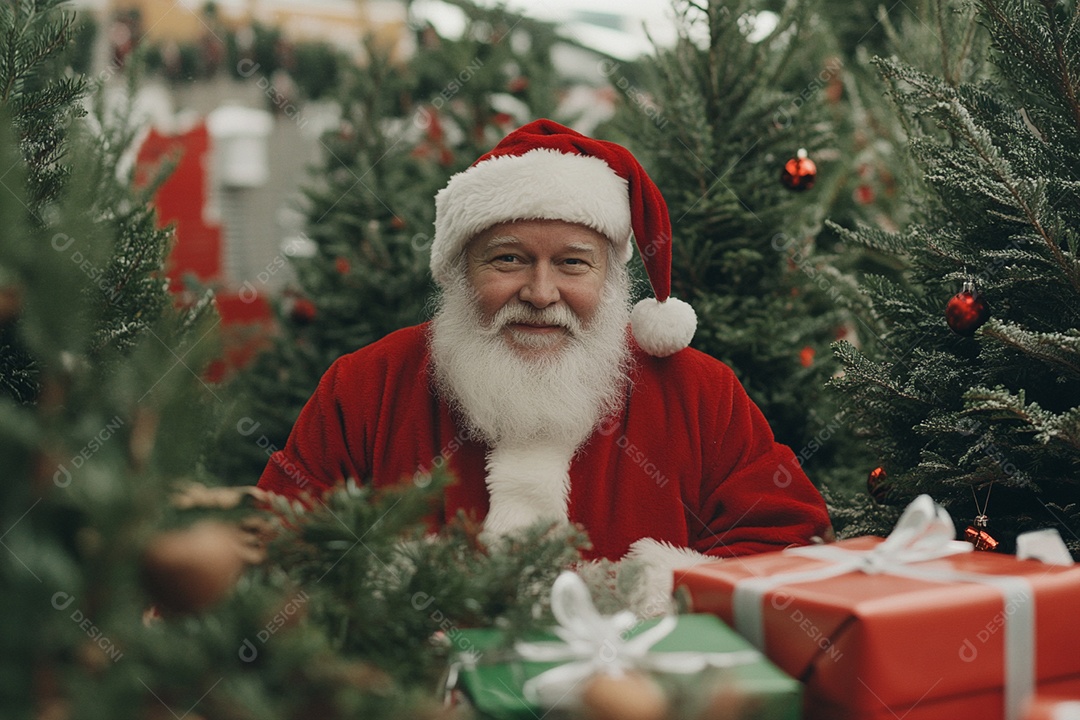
(967, 310)
(799, 172)
(981, 539)
(976, 534)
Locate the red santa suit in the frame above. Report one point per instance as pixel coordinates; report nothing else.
(687, 469)
(690, 461)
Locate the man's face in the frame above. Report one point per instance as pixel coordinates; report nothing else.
(540, 280)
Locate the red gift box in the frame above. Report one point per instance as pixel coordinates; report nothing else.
(920, 640)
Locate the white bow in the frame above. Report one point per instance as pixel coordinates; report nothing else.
(924, 532)
(595, 644)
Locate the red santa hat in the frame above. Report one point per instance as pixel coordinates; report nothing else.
(546, 171)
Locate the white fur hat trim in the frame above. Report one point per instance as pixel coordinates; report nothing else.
(522, 187)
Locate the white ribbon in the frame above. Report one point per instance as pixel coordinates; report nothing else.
(924, 532)
(1067, 710)
(595, 644)
(1046, 546)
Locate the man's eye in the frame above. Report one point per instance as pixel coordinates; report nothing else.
(506, 258)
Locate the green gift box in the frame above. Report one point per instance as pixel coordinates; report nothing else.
(492, 674)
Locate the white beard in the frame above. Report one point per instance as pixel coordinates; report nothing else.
(533, 413)
(510, 400)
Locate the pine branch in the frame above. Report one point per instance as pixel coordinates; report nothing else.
(362, 544)
(1045, 426)
(1067, 85)
(1059, 61)
(877, 239)
(860, 372)
(1060, 349)
(980, 141)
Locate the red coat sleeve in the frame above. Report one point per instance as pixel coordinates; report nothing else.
(317, 455)
(754, 495)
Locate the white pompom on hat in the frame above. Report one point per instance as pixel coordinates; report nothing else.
(546, 171)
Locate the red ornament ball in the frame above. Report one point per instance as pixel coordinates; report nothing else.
(864, 194)
(303, 311)
(341, 264)
(799, 173)
(966, 311)
(875, 484)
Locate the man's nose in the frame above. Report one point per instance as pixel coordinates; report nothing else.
(541, 288)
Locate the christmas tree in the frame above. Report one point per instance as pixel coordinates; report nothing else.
(970, 391)
(131, 588)
(132, 591)
(39, 104)
(370, 209)
(714, 120)
(119, 248)
(876, 181)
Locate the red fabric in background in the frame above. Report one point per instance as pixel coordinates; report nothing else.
(182, 199)
(246, 318)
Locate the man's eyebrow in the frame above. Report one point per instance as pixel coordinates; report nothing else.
(498, 242)
(501, 241)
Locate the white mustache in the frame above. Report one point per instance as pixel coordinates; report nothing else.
(558, 315)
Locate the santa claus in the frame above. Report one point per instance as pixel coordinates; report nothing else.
(543, 392)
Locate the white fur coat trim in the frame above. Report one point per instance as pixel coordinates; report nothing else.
(527, 484)
(659, 561)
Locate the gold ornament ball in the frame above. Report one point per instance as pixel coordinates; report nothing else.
(631, 696)
(190, 570)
